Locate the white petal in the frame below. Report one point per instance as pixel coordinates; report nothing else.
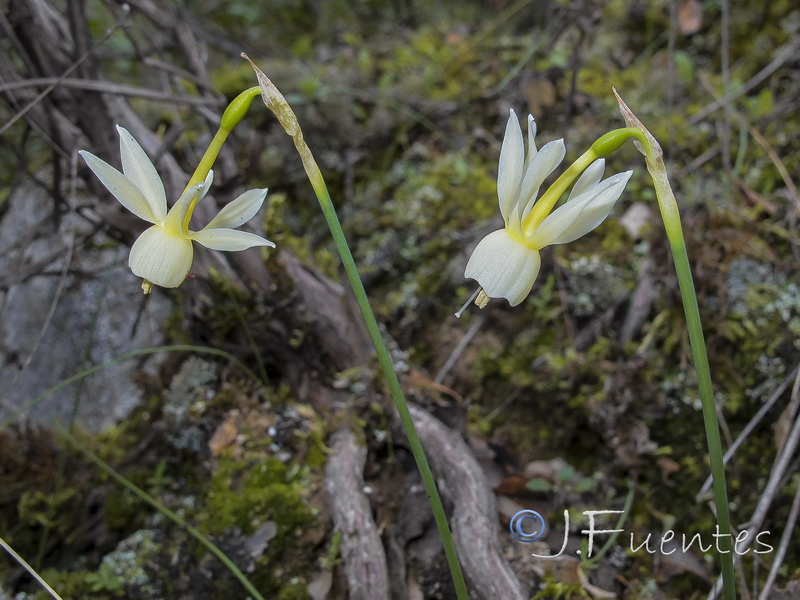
(504, 267)
(579, 216)
(177, 214)
(239, 211)
(509, 172)
(120, 186)
(542, 165)
(207, 184)
(161, 258)
(588, 179)
(229, 239)
(140, 170)
(531, 151)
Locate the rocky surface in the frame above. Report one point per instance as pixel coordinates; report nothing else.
(68, 302)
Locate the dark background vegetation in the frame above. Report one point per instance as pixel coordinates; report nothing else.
(583, 392)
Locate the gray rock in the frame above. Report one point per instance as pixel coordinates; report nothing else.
(54, 325)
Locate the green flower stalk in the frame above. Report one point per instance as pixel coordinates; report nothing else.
(506, 262)
(654, 159)
(168, 513)
(275, 101)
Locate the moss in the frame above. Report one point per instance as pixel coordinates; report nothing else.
(246, 493)
(316, 452)
(75, 585)
(298, 591)
(123, 511)
(552, 589)
(233, 308)
(38, 508)
(175, 326)
(402, 220)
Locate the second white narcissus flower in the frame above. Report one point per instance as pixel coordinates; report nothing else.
(506, 262)
(163, 254)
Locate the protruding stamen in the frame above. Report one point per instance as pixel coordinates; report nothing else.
(147, 287)
(468, 302)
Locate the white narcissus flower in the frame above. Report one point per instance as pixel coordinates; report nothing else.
(163, 254)
(506, 262)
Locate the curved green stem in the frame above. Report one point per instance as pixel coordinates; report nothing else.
(278, 105)
(545, 204)
(230, 119)
(604, 145)
(29, 569)
(160, 507)
(672, 224)
(132, 354)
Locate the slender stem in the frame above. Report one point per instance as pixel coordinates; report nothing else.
(604, 145)
(230, 118)
(278, 105)
(132, 354)
(202, 170)
(387, 367)
(29, 569)
(697, 341)
(545, 204)
(672, 224)
(207, 161)
(159, 506)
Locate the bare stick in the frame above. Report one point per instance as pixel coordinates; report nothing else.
(361, 548)
(784, 545)
(474, 515)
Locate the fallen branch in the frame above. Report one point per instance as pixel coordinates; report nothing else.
(361, 547)
(474, 515)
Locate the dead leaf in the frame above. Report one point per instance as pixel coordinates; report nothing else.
(677, 563)
(785, 424)
(540, 94)
(564, 569)
(513, 485)
(320, 586)
(690, 17)
(667, 466)
(637, 219)
(224, 435)
(420, 381)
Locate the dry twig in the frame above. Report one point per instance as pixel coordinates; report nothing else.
(361, 548)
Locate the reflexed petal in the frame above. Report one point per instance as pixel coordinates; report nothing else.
(120, 186)
(177, 214)
(579, 216)
(161, 258)
(504, 267)
(140, 170)
(542, 165)
(228, 239)
(509, 173)
(588, 179)
(239, 211)
(207, 184)
(531, 150)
